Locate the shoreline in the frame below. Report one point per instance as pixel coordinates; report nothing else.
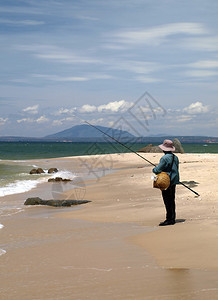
(48, 162)
(112, 247)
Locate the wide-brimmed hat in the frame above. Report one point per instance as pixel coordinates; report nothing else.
(167, 146)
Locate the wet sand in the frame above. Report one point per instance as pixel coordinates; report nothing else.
(112, 247)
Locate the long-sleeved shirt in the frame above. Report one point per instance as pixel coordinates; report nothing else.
(165, 165)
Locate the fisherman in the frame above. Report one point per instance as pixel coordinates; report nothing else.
(169, 163)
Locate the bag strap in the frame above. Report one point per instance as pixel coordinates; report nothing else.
(172, 163)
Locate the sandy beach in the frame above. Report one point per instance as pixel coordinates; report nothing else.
(112, 247)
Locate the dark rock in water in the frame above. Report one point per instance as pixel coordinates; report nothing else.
(58, 179)
(33, 171)
(155, 149)
(37, 171)
(52, 170)
(55, 203)
(40, 171)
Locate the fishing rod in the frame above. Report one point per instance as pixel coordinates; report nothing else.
(189, 188)
(120, 143)
(135, 153)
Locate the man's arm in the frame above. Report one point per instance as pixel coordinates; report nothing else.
(161, 166)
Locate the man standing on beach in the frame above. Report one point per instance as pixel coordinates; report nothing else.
(169, 163)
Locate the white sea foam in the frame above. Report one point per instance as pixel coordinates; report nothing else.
(1, 226)
(20, 186)
(65, 174)
(2, 252)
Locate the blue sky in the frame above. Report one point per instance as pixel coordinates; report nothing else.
(66, 61)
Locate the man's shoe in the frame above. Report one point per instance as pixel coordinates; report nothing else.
(167, 222)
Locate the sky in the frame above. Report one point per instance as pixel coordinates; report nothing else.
(146, 66)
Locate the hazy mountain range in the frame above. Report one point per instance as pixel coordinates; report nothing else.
(87, 133)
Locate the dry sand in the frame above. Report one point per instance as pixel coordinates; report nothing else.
(112, 247)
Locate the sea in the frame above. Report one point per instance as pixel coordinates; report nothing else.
(16, 163)
(15, 159)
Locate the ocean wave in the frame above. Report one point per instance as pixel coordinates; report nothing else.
(65, 174)
(34, 175)
(20, 186)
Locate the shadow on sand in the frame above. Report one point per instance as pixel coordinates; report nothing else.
(180, 220)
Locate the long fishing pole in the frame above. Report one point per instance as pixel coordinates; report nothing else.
(120, 143)
(135, 153)
(189, 188)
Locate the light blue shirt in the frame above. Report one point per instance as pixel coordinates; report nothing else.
(165, 165)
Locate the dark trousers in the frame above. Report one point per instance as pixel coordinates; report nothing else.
(169, 201)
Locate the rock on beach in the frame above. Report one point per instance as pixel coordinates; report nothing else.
(40, 171)
(58, 179)
(37, 171)
(52, 202)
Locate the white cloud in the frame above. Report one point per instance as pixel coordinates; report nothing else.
(196, 108)
(42, 119)
(111, 107)
(63, 111)
(39, 120)
(200, 43)
(156, 35)
(57, 123)
(71, 78)
(205, 64)
(87, 108)
(68, 119)
(20, 80)
(147, 79)
(136, 66)
(115, 106)
(182, 118)
(26, 120)
(20, 10)
(99, 76)
(98, 121)
(201, 73)
(62, 121)
(89, 18)
(66, 58)
(57, 54)
(21, 22)
(113, 46)
(3, 121)
(32, 109)
(60, 78)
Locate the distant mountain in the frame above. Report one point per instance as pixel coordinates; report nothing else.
(159, 135)
(87, 131)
